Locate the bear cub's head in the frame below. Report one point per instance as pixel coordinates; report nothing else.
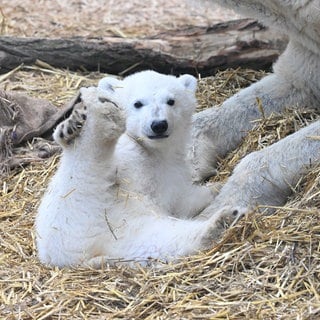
(158, 107)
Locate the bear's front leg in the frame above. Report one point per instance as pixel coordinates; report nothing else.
(106, 120)
(71, 220)
(105, 124)
(69, 129)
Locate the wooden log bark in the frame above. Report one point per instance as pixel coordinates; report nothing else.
(191, 50)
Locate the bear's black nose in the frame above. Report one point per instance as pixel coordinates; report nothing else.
(159, 127)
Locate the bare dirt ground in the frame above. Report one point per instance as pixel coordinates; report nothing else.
(62, 18)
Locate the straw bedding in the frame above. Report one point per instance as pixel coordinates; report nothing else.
(265, 267)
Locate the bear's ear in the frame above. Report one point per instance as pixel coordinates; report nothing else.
(109, 84)
(189, 82)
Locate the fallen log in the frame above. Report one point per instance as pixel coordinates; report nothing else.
(196, 50)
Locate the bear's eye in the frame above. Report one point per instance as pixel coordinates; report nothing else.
(170, 102)
(138, 104)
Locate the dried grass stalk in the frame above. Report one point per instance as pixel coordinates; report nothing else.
(265, 267)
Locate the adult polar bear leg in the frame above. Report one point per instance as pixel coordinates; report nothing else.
(267, 177)
(295, 82)
(216, 131)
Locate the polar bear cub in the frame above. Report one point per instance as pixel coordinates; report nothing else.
(151, 155)
(84, 219)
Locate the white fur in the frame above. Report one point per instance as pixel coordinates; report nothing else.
(267, 177)
(157, 167)
(260, 177)
(107, 201)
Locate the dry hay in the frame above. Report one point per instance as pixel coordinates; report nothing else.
(98, 18)
(265, 267)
